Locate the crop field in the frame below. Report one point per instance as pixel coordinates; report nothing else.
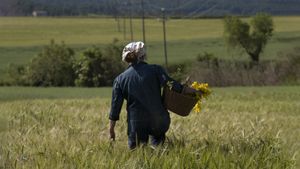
(24, 93)
(23, 37)
(239, 127)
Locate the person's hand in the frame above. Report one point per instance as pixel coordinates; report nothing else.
(112, 134)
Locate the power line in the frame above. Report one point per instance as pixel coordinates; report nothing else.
(124, 8)
(209, 9)
(198, 10)
(171, 9)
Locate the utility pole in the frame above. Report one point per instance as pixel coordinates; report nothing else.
(117, 19)
(165, 39)
(124, 27)
(130, 22)
(118, 24)
(143, 21)
(131, 31)
(125, 15)
(116, 15)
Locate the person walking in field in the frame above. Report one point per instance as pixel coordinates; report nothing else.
(140, 84)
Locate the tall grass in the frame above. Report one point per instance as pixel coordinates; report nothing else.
(238, 128)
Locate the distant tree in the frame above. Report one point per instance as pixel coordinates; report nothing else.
(251, 37)
(16, 75)
(98, 67)
(52, 67)
(25, 7)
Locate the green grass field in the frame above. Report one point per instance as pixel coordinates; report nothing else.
(239, 127)
(23, 37)
(24, 93)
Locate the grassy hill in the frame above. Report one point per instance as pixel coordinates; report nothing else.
(23, 37)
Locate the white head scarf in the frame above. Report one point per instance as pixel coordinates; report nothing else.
(136, 47)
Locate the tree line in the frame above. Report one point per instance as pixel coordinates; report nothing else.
(187, 8)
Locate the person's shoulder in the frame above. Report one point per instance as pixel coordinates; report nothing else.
(120, 76)
(155, 66)
(124, 73)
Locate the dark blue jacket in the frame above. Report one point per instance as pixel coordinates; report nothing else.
(140, 84)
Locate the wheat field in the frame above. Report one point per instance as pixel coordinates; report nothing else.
(239, 127)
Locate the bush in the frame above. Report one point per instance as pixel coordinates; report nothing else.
(178, 71)
(88, 68)
(16, 75)
(56, 66)
(219, 72)
(95, 68)
(290, 65)
(113, 64)
(52, 67)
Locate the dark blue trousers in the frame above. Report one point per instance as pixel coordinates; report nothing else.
(140, 131)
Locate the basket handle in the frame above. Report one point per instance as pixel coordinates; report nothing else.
(186, 81)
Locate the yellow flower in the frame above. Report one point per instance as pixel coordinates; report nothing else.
(204, 88)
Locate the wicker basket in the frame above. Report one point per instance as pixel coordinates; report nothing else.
(177, 102)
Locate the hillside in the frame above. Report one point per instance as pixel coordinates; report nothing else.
(186, 8)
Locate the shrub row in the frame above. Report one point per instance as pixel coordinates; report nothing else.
(220, 72)
(56, 65)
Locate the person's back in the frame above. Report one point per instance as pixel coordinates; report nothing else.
(141, 88)
(140, 85)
